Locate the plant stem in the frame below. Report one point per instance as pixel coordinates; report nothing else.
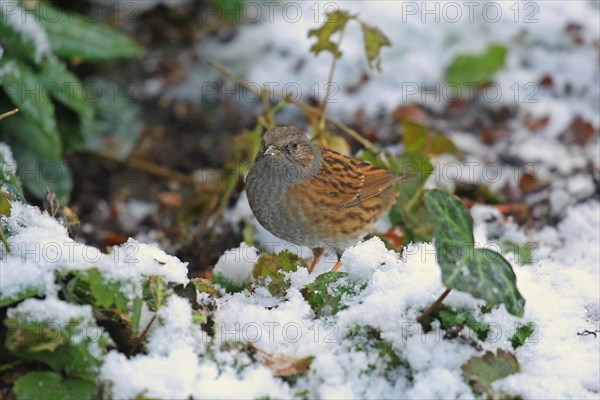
(300, 104)
(8, 114)
(321, 128)
(140, 339)
(435, 305)
(154, 169)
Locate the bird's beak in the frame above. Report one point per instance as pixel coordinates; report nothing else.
(271, 151)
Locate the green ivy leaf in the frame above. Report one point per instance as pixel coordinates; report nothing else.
(75, 38)
(410, 211)
(454, 226)
(479, 69)
(328, 294)
(481, 372)
(483, 273)
(523, 253)
(336, 22)
(522, 333)
(374, 39)
(50, 385)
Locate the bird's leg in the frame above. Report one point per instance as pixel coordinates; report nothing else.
(317, 252)
(338, 264)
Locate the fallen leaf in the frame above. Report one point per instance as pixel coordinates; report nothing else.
(580, 131)
(481, 372)
(410, 112)
(535, 123)
(283, 365)
(528, 183)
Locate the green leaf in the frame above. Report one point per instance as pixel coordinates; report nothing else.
(106, 293)
(454, 226)
(65, 87)
(451, 318)
(374, 41)
(522, 333)
(483, 273)
(410, 211)
(35, 124)
(481, 372)
(116, 123)
(232, 10)
(230, 287)
(205, 286)
(269, 268)
(155, 291)
(523, 253)
(389, 362)
(329, 293)
(64, 347)
(50, 385)
(272, 264)
(17, 297)
(418, 139)
(26, 43)
(336, 21)
(40, 173)
(73, 37)
(10, 184)
(478, 69)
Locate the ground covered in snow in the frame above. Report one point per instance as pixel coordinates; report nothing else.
(257, 340)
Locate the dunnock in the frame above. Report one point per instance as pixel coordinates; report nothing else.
(315, 197)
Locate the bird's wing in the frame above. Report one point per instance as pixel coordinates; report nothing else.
(348, 182)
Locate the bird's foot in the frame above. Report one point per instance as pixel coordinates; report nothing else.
(337, 265)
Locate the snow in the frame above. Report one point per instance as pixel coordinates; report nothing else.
(40, 245)
(561, 287)
(27, 26)
(236, 265)
(561, 292)
(51, 309)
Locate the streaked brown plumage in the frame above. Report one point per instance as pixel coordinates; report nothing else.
(315, 197)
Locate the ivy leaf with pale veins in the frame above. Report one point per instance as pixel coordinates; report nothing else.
(483, 273)
(336, 21)
(374, 41)
(480, 372)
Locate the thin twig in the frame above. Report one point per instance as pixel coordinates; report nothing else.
(330, 84)
(435, 305)
(8, 114)
(300, 104)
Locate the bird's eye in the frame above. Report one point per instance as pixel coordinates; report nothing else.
(294, 146)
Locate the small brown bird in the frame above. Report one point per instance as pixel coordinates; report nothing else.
(315, 197)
